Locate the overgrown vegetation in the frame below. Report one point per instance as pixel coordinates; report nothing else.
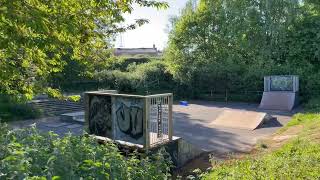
(125, 74)
(221, 51)
(11, 109)
(231, 45)
(299, 158)
(27, 154)
(39, 38)
(45, 42)
(216, 48)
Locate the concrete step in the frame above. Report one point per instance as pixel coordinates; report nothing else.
(57, 107)
(74, 117)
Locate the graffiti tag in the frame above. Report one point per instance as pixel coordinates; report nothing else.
(130, 120)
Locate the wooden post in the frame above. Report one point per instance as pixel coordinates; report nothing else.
(170, 117)
(146, 120)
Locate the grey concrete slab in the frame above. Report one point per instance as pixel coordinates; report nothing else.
(72, 126)
(55, 125)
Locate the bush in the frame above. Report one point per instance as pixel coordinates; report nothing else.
(12, 109)
(137, 78)
(27, 154)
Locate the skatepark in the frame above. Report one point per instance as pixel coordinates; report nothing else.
(153, 121)
(236, 127)
(195, 124)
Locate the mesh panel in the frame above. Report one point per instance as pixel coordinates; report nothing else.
(158, 120)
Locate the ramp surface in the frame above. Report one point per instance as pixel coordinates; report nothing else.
(278, 100)
(240, 119)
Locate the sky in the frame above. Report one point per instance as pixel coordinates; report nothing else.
(152, 33)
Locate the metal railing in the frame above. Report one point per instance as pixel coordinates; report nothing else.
(159, 119)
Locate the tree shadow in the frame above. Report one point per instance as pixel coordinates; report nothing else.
(209, 139)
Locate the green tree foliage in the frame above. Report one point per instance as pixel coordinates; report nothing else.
(141, 75)
(27, 154)
(37, 37)
(233, 44)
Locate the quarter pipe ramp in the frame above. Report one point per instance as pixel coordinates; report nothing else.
(279, 100)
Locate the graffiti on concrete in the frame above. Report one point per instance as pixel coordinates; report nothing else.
(100, 121)
(130, 120)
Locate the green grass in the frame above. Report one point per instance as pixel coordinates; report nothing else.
(299, 158)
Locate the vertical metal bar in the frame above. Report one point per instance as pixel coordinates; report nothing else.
(170, 117)
(146, 118)
(86, 111)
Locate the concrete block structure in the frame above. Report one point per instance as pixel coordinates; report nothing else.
(134, 122)
(140, 120)
(280, 92)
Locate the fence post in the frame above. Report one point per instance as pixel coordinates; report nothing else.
(226, 98)
(146, 120)
(170, 117)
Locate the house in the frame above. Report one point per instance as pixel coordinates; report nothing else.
(137, 51)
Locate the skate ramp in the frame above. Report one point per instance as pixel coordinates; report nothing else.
(240, 119)
(278, 100)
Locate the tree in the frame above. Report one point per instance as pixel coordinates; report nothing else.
(232, 44)
(36, 36)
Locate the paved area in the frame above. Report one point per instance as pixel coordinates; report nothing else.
(51, 124)
(194, 124)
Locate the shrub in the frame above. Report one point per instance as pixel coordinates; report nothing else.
(12, 109)
(137, 78)
(27, 154)
(74, 98)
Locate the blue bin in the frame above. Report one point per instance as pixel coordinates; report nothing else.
(184, 103)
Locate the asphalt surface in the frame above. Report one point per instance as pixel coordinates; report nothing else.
(194, 124)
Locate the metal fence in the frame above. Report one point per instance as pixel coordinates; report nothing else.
(228, 95)
(159, 119)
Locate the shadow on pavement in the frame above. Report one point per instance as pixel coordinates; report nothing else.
(208, 138)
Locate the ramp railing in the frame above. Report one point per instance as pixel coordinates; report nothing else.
(159, 119)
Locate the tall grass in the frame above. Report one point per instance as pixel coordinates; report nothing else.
(297, 159)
